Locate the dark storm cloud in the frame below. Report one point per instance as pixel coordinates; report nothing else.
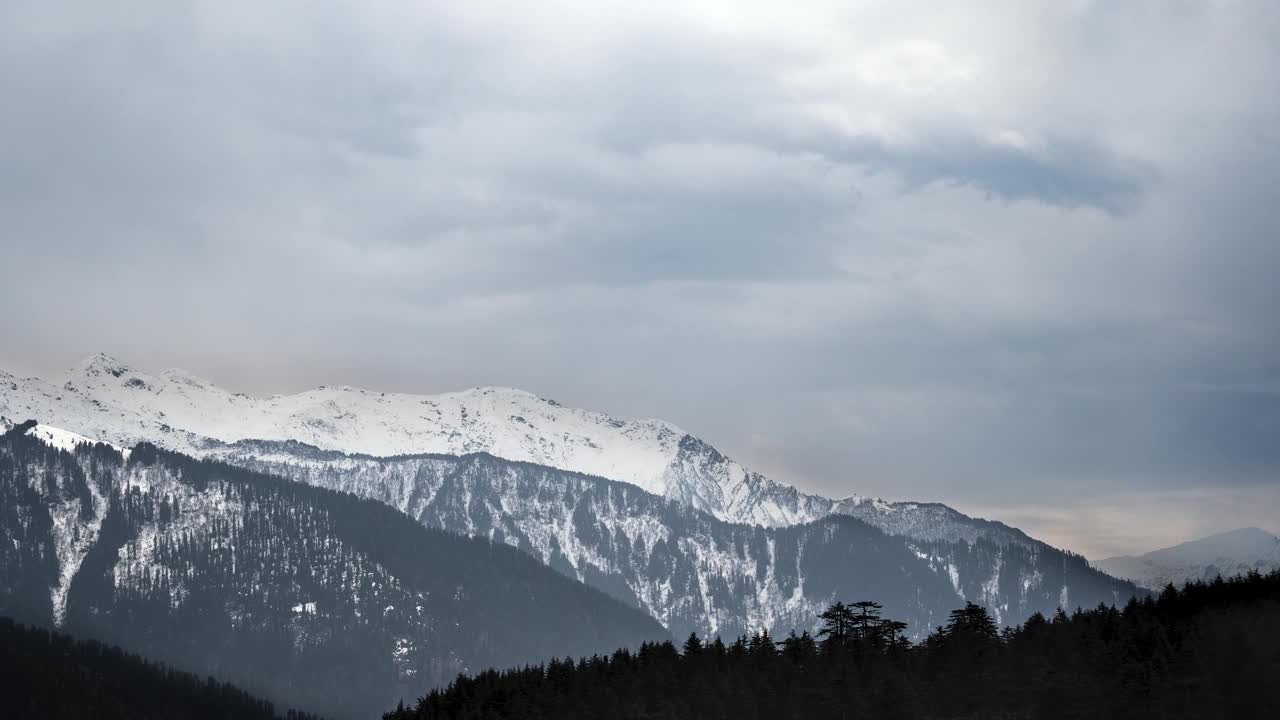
(995, 255)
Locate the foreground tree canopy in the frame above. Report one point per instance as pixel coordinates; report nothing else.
(1209, 650)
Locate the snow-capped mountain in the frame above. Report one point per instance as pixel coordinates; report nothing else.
(639, 509)
(1229, 553)
(106, 399)
(290, 590)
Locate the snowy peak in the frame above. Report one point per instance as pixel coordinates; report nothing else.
(105, 397)
(103, 371)
(99, 365)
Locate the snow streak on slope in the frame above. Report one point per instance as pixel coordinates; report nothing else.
(74, 531)
(73, 536)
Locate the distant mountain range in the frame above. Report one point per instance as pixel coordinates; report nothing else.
(1229, 553)
(641, 510)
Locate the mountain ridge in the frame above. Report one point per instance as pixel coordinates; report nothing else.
(107, 399)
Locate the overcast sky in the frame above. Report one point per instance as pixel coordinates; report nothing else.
(1019, 257)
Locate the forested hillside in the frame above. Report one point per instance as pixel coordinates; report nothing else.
(1209, 650)
(298, 594)
(50, 676)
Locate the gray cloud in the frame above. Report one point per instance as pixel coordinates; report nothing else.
(1001, 256)
(1069, 173)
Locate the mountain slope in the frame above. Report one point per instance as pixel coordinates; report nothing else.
(106, 399)
(51, 676)
(1234, 552)
(686, 568)
(290, 591)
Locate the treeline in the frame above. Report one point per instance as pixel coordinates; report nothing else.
(1208, 650)
(52, 677)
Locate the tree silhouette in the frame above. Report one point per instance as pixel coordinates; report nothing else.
(893, 632)
(837, 623)
(971, 622)
(692, 646)
(866, 619)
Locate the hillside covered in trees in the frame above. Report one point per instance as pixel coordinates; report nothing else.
(53, 677)
(1208, 650)
(302, 596)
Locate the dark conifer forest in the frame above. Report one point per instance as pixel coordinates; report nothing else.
(1208, 650)
(53, 677)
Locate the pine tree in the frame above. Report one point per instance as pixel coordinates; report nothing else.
(971, 621)
(837, 623)
(692, 646)
(866, 619)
